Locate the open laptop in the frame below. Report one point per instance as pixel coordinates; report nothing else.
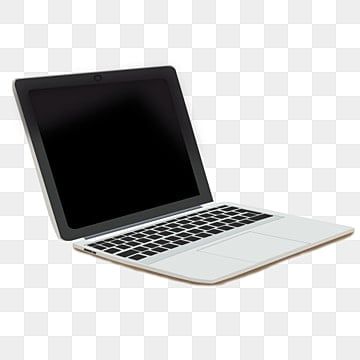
(122, 175)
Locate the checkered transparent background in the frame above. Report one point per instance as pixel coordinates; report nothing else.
(273, 90)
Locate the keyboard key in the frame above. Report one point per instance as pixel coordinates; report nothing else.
(177, 229)
(255, 212)
(140, 248)
(143, 240)
(218, 223)
(150, 245)
(188, 226)
(171, 238)
(154, 236)
(239, 217)
(215, 231)
(230, 208)
(226, 227)
(127, 238)
(181, 242)
(105, 243)
(137, 235)
(228, 221)
(193, 238)
(260, 217)
(126, 253)
(205, 227)
(122, 247)
(199, 222)
(180, 218)
(97, 246)
(159, 249)
(172, 225)
(196, 218)
(250, 214)
(237, 224)
(247, 221)
(205, 215)
(112, 250)
(161, 228)
(132, 243)
(166, 233)
(184, 234)
(149, 232)
(169, 221)
(170, 246)
(161, 242)
(149, 252)
(138, 257)
(195, 231)
(117, 242)
(203, 235)
(137, 231)
(183, 222)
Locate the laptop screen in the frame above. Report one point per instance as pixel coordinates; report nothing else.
(114, 148)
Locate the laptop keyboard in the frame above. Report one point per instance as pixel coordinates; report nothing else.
(163, 236)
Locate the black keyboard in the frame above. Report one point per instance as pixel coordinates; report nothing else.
(163, 236)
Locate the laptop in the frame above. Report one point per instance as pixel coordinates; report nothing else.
(123, 179)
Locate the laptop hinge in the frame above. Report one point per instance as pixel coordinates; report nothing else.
(141, 222)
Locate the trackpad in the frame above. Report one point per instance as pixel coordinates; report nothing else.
(252, 246)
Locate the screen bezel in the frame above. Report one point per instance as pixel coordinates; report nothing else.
(22, 88)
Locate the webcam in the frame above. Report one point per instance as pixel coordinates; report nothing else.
(97, 77)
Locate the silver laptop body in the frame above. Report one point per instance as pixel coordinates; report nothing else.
(191, 238)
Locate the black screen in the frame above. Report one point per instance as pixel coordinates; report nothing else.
(114, 149)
